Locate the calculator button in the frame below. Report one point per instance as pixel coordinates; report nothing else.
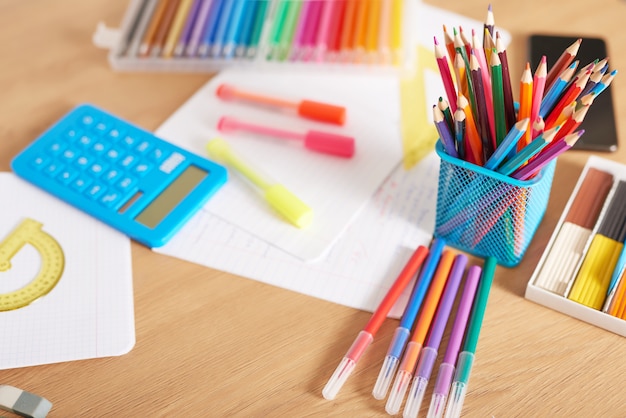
(97, 169)
(85, 140)
(55, 148)
(80, 183)
(39, 161)
(87, 120)
(128, 161)
(83, 161)
(126, 183)
(114, 134)
(156, 154)
(69, 155)
(99, 147)
(101, 127)
(143, 147)
(66, 176)
(110, 198)
(72, 134)
(129, 140)
(142, 169)
(95, 190)
(111, 175)
(113, 154)
(53, 169)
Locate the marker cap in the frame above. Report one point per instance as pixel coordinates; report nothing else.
(328, 143)
(322, 112)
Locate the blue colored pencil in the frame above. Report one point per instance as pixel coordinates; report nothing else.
(528, 151)
(508, 143)
(553, 95)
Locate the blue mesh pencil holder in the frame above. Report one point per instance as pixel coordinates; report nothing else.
(485, 213)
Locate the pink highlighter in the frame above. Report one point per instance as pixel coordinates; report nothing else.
(327, 143)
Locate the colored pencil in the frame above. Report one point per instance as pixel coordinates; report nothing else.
(473, 141)
(570, 95)
(498, 97)
(562, 63)
(508, 143)
(447, 113)
(489, 27)
(486, 75)
(449, 43)
(446, 75)
(397, 11)
(447, 139)
(544, 158)
(210, 28)
(509, 108)
(528, 152)
(481, 110)
(525, 103)
(164, 27)
(539, 84)
(142, 28)
(459, 132)
(556, 90)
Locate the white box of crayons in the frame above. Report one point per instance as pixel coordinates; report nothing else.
(212, 35)
(578, 273)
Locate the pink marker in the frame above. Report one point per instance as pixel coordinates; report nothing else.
(323, 142)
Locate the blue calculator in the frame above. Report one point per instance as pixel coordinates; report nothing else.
(119, 173)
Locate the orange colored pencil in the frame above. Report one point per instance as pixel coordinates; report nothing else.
(449, 42)
(164, 27)
(347, 28)
(473, 143)
(525, 104)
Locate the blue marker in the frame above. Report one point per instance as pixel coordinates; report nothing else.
(402, 333)
(210, 28)
(222, 27)
(235, 26)
(247, 22)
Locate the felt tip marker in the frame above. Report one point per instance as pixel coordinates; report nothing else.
(366, 336)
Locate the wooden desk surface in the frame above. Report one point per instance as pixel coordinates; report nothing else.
(213, 344)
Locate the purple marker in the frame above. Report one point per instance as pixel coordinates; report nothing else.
(429, 352)
(446, 369)
(179, 50)
(198, 28)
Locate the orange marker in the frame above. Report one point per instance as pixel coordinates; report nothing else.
(322, 112)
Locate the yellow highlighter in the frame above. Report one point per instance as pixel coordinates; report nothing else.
(282, 200)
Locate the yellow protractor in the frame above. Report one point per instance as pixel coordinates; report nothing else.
(52, 263)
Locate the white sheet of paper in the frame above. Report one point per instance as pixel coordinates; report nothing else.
(89, 313)
(335, 188)
(369, 255)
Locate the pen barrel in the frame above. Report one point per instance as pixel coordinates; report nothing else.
(229, 124)
(456, 399)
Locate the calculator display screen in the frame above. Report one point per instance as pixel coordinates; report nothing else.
(158, 209)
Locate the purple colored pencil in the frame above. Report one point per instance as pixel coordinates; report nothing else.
(447, 139)
(446, 369)
(198, 28)
(179, 50)
(537, 163)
